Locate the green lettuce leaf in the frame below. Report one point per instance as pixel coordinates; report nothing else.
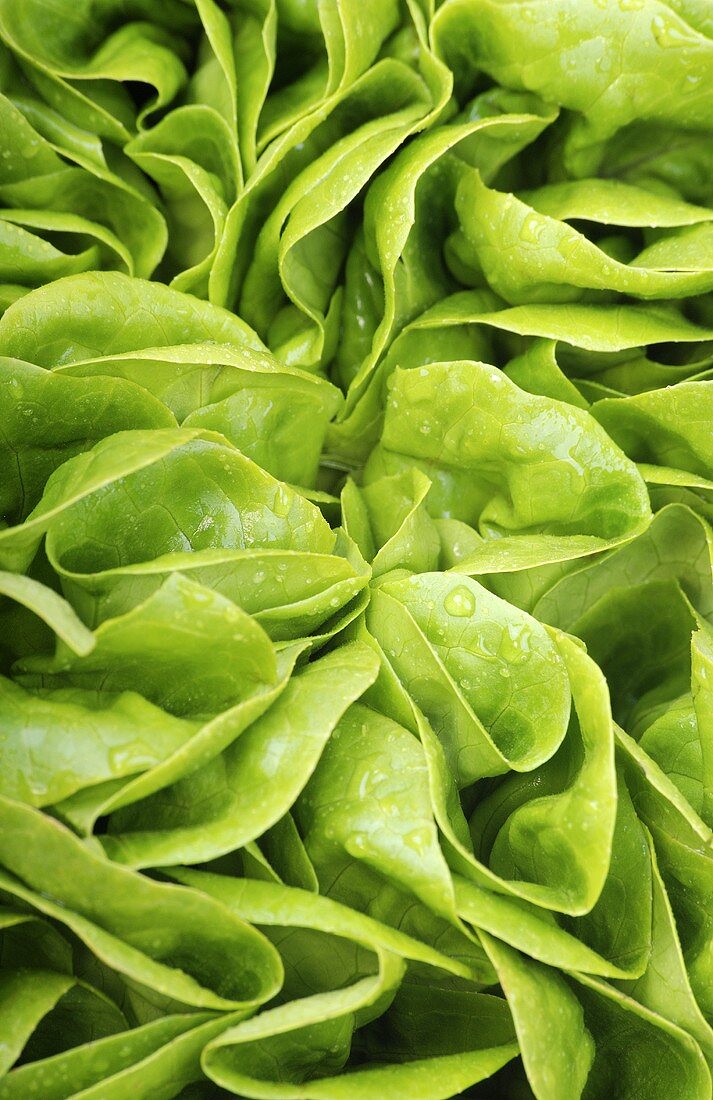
(356, 549)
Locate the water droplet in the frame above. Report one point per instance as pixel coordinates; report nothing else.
(667, 33)
(515, 644)
(417, 840)
(282, 502)
(460, 602)
(532, 229)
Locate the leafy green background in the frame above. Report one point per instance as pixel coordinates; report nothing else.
(356, 575)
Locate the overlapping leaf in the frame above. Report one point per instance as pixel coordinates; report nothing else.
(356, 575)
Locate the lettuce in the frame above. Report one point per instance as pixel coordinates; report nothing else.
(356, 549)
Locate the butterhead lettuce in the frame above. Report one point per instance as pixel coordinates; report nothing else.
(356, 549)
